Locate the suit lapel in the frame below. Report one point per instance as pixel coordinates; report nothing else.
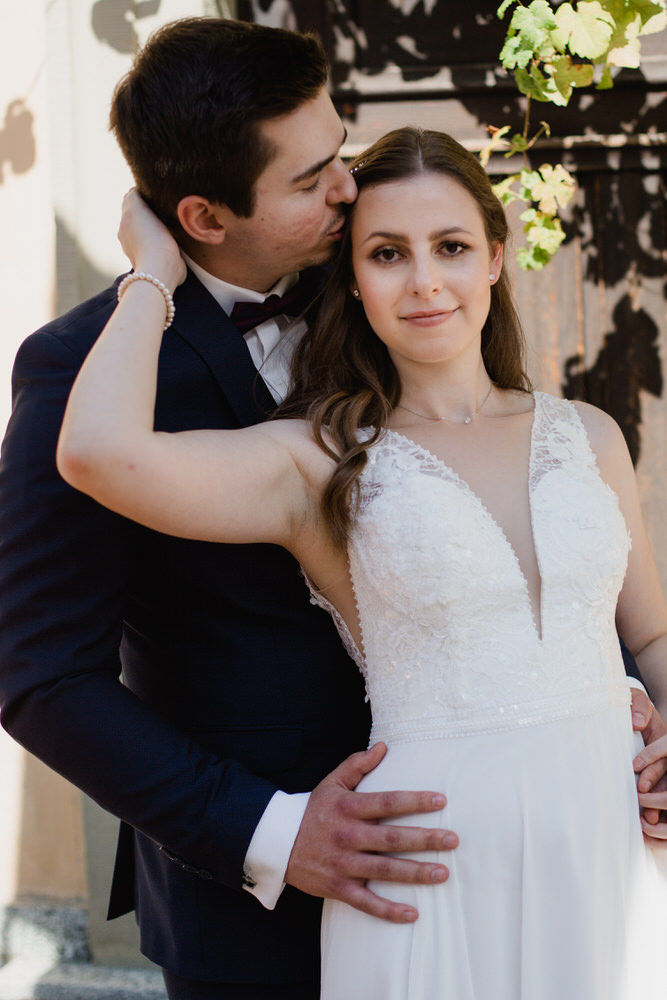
(209, 331)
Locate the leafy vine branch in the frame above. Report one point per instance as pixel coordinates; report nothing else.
(553, 49)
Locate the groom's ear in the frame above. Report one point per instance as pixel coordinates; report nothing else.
(201, 219)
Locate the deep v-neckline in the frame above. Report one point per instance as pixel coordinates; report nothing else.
(536, 612)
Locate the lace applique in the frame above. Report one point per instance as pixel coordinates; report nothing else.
(351, 648)
(368, 492)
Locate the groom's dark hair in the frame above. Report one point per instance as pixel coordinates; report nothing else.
(187, 116)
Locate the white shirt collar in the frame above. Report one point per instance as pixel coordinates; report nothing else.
(226, 294)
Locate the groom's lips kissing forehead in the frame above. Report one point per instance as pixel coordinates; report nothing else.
(335, 231)
(337, 227)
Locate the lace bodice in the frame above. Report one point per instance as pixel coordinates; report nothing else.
(449, 639)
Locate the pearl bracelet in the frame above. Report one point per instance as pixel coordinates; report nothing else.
(161, 287)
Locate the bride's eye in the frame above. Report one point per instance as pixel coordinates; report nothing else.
(386, 255)
(453, 248)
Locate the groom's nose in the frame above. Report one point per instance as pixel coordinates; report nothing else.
(342, 187)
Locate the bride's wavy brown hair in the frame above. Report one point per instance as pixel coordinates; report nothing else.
(343, 378)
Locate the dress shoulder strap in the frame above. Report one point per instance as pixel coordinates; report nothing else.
(559, 437)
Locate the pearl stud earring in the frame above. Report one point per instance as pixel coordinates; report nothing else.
(492, 277)
(355, 292)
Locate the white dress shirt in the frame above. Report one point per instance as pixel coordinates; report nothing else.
(271, 345)
(272, 342)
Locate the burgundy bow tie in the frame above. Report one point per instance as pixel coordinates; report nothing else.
(294, 302)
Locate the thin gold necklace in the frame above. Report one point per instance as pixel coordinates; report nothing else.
(467, 420)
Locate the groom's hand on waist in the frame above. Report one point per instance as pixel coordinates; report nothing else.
(341, 843)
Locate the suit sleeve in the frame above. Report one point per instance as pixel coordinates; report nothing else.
(64, 565)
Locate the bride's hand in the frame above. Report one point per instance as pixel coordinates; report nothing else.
(148, 243)
(651, 769)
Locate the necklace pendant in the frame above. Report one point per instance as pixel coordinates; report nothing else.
(466, 420)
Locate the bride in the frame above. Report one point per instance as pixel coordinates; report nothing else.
(478, 544)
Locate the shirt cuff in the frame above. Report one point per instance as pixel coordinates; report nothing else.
(271, 845)
(634, 682)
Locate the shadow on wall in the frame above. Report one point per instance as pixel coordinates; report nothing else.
(78, 277)
(416, 38)
(628, 205)
(17, 139)
(620, 225)
(628, 362)
(112, 22)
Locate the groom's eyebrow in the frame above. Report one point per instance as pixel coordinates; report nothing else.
(307, 174)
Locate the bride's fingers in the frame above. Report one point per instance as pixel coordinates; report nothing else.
(653, 800)
(147, 242)
(656, 845)
(651, 816)
(657, 832)
(651, 775)
(652, 753)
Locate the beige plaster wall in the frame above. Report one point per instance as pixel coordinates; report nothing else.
(39, 810)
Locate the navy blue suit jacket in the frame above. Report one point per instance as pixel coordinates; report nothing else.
(233, 684)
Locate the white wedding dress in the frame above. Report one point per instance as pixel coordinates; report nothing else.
(528, 735)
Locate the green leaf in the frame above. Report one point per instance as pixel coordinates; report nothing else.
(606, 80)
(581, 74)
(628, 56)
(532, 258)
(519, 144)
(654, 24)
(526, 39)
(529, 178)
(566, 75)
(552, 51)
(544, 231)
(624, 48)
(554, 187)
(534, 24)
(587, 30)
(541, 13)
(561, 33)
(556, 82)
(503, 189)
(516, 52)
(534, 83)
(503, 8)
(497, 141)
(649, 10)
(633, 18)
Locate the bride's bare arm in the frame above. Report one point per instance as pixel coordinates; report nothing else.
(642, 610)
(233, 486)
(641, 616)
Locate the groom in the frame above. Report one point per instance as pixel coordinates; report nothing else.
(236, 697)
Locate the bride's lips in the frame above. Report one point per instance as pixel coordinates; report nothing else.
(429, 317)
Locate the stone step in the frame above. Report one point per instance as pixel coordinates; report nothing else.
(33, 979)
